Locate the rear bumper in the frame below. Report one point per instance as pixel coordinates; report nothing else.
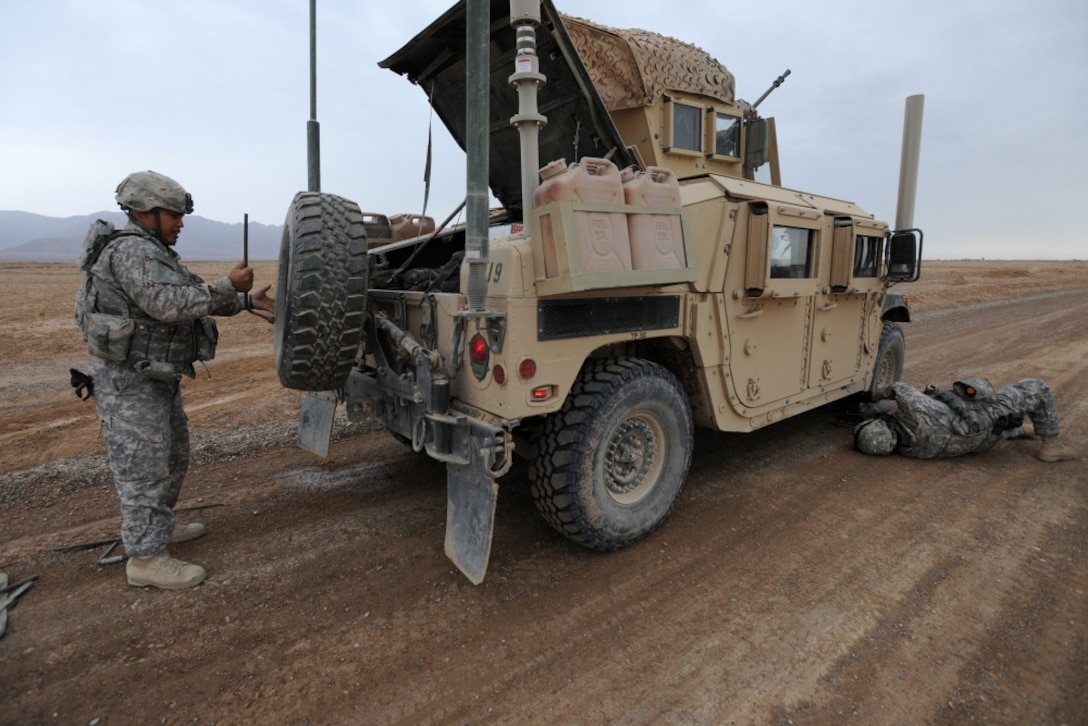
(448, 432)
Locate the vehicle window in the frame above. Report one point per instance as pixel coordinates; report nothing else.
(867, 255)
(791, 252)
(687, 127)
(727, 135)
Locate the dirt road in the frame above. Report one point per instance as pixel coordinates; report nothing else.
(796, 582)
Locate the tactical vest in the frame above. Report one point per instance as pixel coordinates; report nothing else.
(973, 402)
(116, 330)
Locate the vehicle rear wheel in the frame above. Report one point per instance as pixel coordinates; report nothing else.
(612, 461)
(890, 355)
(321, 292)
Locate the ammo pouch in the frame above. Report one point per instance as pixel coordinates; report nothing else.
(207, 337)
(164, 351)
(160, 370)
(108, 336)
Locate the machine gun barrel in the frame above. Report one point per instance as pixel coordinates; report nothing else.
(777, 82)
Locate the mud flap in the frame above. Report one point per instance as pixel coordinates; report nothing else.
(470, 518)
(315, 421)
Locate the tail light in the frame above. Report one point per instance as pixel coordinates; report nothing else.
(479, 355)
(526, 369)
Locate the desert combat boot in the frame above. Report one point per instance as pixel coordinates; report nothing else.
(186, 532)
(164, 572)
(1054, 450)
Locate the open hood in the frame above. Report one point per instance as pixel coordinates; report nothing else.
(578, 122)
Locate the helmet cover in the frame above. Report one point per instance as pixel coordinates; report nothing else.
(875, 437)
(144, 191)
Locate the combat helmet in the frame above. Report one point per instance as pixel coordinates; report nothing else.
(143, 191)
(875, 437)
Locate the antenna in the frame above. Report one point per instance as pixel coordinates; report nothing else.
(313, 129)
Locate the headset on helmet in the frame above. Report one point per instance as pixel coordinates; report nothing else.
(144, 191)
(875, 437)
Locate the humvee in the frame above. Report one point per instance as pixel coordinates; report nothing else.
(538, 330)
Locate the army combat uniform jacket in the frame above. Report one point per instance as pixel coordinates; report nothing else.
(969, 418)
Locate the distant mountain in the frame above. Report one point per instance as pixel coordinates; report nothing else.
(26, 237)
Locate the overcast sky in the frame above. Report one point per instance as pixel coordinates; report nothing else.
(215, 94)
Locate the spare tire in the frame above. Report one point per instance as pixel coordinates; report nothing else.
(321, 292)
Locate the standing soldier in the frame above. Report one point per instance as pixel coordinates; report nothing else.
(969, 418)
(146, 320)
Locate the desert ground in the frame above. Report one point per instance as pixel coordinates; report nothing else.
(797, 581)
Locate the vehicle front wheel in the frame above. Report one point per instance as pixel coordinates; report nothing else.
(890, 355)
(612, 461)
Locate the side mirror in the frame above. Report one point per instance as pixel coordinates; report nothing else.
(904, 256)
(755, 144)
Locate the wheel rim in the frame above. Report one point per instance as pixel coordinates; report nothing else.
(885, 371)
(632, 465)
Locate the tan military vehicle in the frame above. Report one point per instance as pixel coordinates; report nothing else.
(645, 281)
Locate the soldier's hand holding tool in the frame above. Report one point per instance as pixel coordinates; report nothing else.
(242, 277)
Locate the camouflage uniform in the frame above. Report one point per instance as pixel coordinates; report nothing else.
(146, 429)
(938, 424)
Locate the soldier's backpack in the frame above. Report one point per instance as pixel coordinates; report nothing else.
(107, 336)
(100, 234)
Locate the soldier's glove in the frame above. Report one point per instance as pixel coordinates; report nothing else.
(83, 384)
(1007, 422)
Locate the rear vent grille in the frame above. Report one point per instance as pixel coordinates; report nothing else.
(585, 317)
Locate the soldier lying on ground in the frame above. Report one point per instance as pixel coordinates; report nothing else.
(969, 418)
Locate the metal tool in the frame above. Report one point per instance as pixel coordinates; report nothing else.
(106, 559)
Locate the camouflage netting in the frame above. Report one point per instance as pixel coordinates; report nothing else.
(631, 68)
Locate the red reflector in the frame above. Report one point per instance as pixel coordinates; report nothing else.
(477, 349)
(527, 369)
(499, 374)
